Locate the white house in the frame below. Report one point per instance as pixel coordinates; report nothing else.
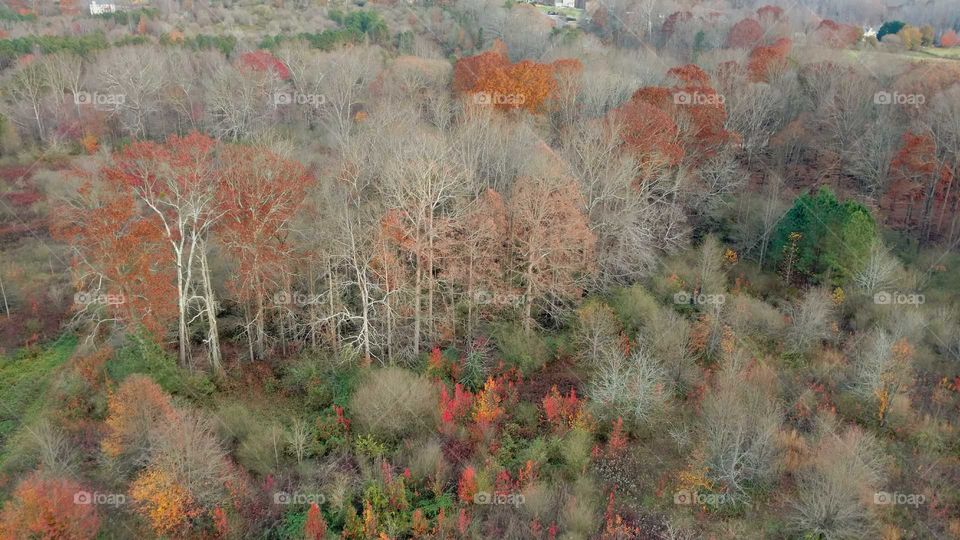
(98, 9)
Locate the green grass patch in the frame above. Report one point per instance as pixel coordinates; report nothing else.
(24, 381)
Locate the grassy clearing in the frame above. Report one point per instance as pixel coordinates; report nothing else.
(24, 379)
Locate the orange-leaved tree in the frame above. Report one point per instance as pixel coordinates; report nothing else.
(767, 61)
(166, 504)
(315, 527)
(44, 507)
(551, 243)
(922, 192)
(493, 80)
(124, 273)
(134, 410)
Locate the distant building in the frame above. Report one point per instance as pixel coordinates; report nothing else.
(99, 9)
(577, 4)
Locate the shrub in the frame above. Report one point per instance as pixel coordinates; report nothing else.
(137, 408)
(634, 306)
(45, 508)
(143, 355)
(830, 500)
(392, 402)
(186, 453)
(166, 504)
(525, 351)
(262, 447)
(748, 316)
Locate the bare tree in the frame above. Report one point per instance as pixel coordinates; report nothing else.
(240, 104)
(634, 387)
(64, 71)
(740, 427)
(880, 271)
(635, 221)
(29, 87)
(810, 318)
(870, 154)
(134, 77)
(830, 500)
(420, 182)
(346, 75)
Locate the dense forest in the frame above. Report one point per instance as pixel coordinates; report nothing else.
(650, 269)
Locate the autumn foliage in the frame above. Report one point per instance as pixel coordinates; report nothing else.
(650, 120)
(264, 62)
(949, 39)
(138, 405)
(114, 240)
(922, 195)
(494, 80)
(467, 485)
(838, 35)
(455, 408)
(165, 503)
(765, 61)
(315, 528)
(746, 34)
(564, 412)
(44, 507)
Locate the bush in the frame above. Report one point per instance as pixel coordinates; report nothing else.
(186, 452)
(322, 379)
(525, 351)
(45, 508)
(392, 402)
(135, 410)
(262, 449)
(634, 306)
(831, 492)
(748, 316)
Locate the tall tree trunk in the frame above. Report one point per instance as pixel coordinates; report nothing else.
(528, 302)
(470, 300)
(312, 290)
(416, 307)
(3, 292)
(183, 352)
(431, 334)
(210, 300)
(332, 324)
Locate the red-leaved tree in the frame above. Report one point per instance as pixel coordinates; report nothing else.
(260, 192)
(51, 508)
(766, 61)
(746, 34)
